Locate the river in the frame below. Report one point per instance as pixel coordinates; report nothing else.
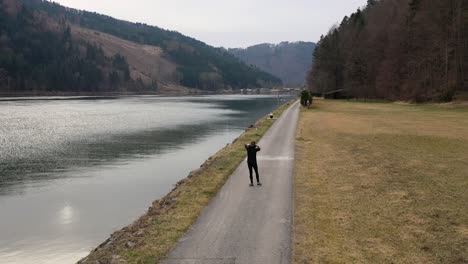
(74, 170)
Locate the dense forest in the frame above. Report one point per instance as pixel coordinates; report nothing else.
(36, 54)
(414, 50)
(288, 60)
(199, 65)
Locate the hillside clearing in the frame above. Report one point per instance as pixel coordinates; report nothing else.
(147, 63)
(381, 183)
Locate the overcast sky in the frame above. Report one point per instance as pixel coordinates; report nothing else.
(238, 23)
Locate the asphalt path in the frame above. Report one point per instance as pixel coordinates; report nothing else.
(249, 225)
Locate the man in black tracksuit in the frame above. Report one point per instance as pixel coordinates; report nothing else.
(252, 150)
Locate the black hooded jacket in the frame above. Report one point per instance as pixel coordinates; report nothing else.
(252, 153)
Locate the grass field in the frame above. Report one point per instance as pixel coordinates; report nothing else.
(151, 237)
(381, 183)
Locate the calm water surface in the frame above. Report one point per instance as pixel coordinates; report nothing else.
(74, 171)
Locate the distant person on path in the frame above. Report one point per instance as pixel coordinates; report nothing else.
(252, 150)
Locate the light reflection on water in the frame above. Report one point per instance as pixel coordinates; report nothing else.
(71, 172)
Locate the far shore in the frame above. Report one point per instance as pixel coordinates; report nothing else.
(93, 94)
(115, 95)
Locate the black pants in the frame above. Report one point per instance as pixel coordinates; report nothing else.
(255, 167)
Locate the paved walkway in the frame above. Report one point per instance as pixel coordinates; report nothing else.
(249, 225)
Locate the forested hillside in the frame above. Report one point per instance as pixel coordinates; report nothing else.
(47, 47)
(288, 60)
(38, 54)
(397, 49)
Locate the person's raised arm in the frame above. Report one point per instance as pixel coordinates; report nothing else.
(258, 148)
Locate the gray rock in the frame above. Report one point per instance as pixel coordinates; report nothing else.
(140, 233)
(116, 259)
(130, 244)
(170, 201)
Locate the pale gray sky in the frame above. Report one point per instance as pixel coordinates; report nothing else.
(238, 23)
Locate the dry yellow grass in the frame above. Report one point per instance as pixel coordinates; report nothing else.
(381, 183)
(151, 237)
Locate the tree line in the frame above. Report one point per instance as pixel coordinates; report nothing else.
(413, 50)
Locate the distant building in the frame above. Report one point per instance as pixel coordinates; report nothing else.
(337, 94)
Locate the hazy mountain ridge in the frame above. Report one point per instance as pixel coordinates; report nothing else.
(288, 60)
(48, 47)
